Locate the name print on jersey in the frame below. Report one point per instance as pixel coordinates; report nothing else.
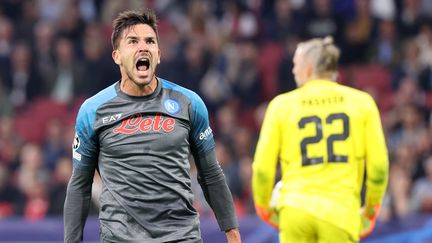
(137, 123)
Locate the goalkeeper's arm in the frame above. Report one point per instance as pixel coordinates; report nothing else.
(376, 168)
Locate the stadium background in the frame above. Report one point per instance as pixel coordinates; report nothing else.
(237, 55)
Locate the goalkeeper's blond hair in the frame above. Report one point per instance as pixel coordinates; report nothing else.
(323, 54)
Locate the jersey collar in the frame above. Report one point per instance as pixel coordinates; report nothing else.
(123, 95)
(317, 81)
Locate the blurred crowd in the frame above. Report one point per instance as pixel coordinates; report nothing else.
(237, 54)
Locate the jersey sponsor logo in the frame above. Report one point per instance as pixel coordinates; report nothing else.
(172, 106)
(114, 117)
(204, 135)
(137, 123)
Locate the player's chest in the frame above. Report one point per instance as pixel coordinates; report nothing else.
(145, 128)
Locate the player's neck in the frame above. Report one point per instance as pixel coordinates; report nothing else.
(131, 88)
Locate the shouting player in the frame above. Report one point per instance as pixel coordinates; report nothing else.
(324, 135)
(138, 134)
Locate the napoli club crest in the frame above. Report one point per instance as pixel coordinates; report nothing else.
(172, 106)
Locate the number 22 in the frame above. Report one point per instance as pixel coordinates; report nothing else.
(332, 157)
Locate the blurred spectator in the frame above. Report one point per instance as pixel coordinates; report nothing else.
(9, 194)
(68, 75)
(37, 202)
(9, 143)
(12, 9)
(70, 24)
(409, 65)
(409, 128)
(357, 34)
(6, 108)
(409, 18)
(32, 181)
(243, 142)
(22, 79)
(226, 121)
(421, 199)
(43, 53)
(87, 9)
(110, 8)
(424, 43)
(238, 21)
(231, 169)
(6, 35)
(52, 10)
(400, 181)
(423, 150)
(31, 169)
(170, 45)
(243, 74)
(59, 182)
(426, 8)
(246, 177)
(283, 22)
(320, 21)
(286, 81)
(214, 86)
(29, 17)
(53, 148)
(99, 68)
(194, 65)
(383, 9)
(385, 48)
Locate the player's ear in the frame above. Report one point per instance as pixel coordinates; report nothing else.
(309, 70)
(116, 57)
(159, 56)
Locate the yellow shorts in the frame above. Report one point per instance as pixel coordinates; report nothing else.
(298, 226)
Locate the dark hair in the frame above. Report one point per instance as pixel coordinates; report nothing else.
(129, 18)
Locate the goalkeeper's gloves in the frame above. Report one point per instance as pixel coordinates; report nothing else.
(271, 215)
(368, 217)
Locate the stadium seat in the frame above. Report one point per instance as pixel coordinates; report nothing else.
(371, 76)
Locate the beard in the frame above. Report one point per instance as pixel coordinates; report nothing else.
(135, 80)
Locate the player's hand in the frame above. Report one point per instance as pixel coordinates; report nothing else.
(269, 216)
(368, 215)
(233, 235)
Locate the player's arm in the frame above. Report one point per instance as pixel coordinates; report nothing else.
(77, 204)
(78, 195)
(210, 174)
(376, 167)
(265, 162)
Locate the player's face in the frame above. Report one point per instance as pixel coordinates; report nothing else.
(138, 55)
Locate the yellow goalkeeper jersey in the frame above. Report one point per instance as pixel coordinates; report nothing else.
(324, 135)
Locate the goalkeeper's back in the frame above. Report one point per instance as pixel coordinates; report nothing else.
(324, 135)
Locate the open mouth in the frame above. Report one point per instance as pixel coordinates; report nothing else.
(143, 64)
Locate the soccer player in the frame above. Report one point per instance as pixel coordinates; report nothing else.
(324, 135)
(138, 134)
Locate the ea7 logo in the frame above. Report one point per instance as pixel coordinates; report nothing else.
(204, 135)
(111, 118)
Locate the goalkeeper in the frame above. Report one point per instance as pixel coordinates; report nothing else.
(325, 136)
